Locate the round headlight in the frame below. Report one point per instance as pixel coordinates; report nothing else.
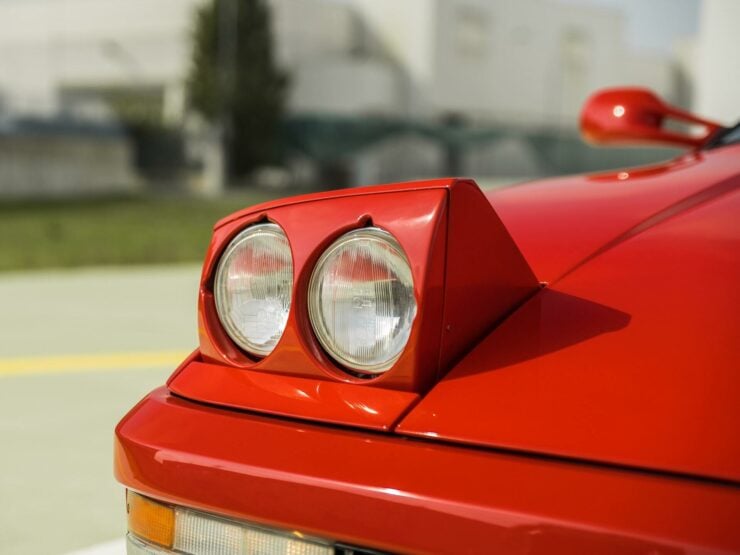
(253, 288)
(361, 300)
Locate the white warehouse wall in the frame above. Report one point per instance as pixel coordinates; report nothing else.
(534, 62)
(312, 30)
(48, 44)
(402, 32)
(520, 62)
(718, 76)
(346, 86)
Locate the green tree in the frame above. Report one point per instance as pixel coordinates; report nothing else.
(234, 81)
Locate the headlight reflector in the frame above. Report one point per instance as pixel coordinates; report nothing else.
(361, 300)
(253, 288)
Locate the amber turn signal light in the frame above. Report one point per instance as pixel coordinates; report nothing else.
(151, 521)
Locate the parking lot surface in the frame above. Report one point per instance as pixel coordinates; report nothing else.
(78, 349)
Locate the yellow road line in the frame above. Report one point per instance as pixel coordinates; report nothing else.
(61, 364)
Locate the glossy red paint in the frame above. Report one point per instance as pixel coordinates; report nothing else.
(558, 223)
(598, 416)
(631, 359)
(635, 115)
(326, 401)
(398, 494)
(443, 226)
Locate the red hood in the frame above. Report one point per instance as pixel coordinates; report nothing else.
(630, 356)
(559, 223)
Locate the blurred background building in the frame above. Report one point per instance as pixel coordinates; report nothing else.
(379, 90)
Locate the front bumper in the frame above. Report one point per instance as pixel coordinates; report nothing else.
(400, 494)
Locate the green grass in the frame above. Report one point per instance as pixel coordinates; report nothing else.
(136, 230)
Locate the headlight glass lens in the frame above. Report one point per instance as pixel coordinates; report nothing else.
(253, 288)
(361, 300)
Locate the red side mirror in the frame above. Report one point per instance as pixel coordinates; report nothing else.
(635, 115)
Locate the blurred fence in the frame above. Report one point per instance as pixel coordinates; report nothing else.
(61, 157)
(42, 158)
(372, 150)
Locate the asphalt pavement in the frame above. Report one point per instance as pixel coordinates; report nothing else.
(78, 349)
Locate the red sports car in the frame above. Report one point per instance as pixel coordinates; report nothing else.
(424, 367)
